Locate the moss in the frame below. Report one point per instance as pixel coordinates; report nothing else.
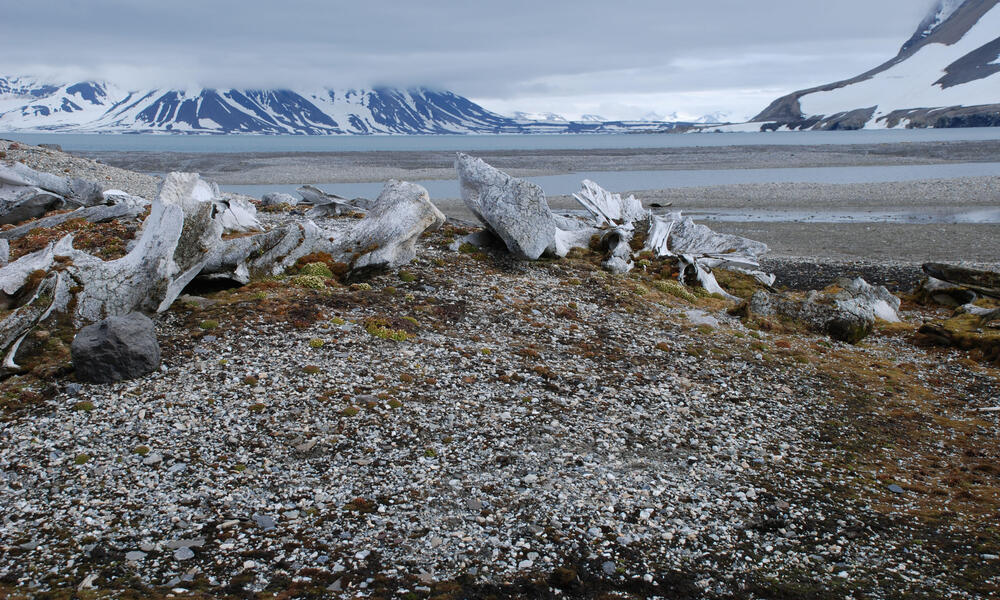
(250, 380)
(311, 369)
(394, 403)
(407, 378)
(738, 284)
(316, 343)
(316, 269)
(338, 321)
(467, 248)
(312, 282)
(350, 411)
(239, 467)
(380, 328)
(430, 453)
(209, 324)
(675, 289)
(81, 459)
(485, 351)
(84, 406)
(663, 347)
(360, 287)
(407, 277)
(257, 408)
(141, 450)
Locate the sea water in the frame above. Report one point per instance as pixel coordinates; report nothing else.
(480, 143)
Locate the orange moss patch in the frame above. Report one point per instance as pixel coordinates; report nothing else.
(106, 241)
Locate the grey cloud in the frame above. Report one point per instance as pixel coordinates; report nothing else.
(487, 50)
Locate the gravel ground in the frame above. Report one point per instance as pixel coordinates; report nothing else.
(527, 429)
(67, 165)
(538, 430)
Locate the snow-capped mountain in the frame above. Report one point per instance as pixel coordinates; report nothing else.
(945, 75)
(29, 104)
(543, 117)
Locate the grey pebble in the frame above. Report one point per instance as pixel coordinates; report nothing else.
(184, 553)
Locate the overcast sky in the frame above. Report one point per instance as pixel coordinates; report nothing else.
(620, 59)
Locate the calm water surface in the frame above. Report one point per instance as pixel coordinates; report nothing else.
(359, 143)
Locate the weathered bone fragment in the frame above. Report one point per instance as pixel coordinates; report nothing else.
(607, 208)
(324, 204)
(846, 313)
(277, 199)
(92, 214)
(76, 192)
(513, 209)
(173, 246)
(19, 204)
(616, 240)
(236, 215)
(387, 236)
(977, 280)
(264, 254)
(985, 315)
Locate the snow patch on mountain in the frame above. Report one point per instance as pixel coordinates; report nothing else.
(913, 83)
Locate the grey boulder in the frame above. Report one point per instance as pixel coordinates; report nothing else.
(116, 349)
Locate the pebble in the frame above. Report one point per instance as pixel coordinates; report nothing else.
(184, 553)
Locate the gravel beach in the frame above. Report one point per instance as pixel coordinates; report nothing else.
(472, 426)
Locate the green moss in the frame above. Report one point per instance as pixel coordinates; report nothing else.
(395, 403)
(350, 411)
(677, 290)
(313, 282)
(407, 276)
(311, 369)
(239, 467)
(141, 450)
(84, 406)
(209, 324)
(430, 453)
(380, 329)
(316, 343)
(81, 459)
(338, 321)
(485, 351)
(467, 248)
(257, 408)
(316, 269)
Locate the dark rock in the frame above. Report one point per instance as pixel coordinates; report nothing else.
(115, 349)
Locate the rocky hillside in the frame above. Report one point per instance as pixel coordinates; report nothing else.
(945, 75)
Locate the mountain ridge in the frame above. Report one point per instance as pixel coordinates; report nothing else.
(950, 52)
(31, 104)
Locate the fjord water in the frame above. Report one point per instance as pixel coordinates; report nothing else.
(473, 143)
(561, 185)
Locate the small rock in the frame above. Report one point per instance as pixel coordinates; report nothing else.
(609, 567)
(184, 553)
(264, 522)
(152, 459)
(135, 556)
(895, 489)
